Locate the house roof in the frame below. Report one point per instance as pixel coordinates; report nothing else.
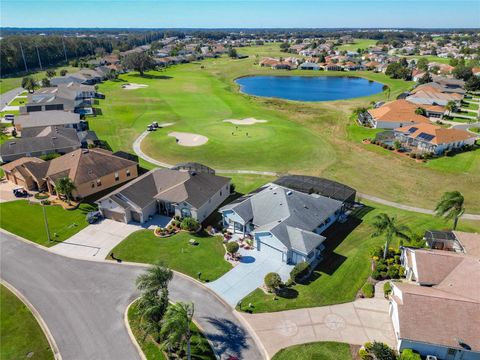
(41, 139)
(288, 214)
(434, 265)
(47, 118)
(469, 241)
(398, 111)
(435, 316)
(170, 185)
(434, 134)
(12, 165)
(86, 165)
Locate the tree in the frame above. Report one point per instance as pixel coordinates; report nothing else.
(473, 84)
(426, 78)
(451, 107)
(189, 224)
(284, 46)
(139, 61)
(100, 52)
(63, 72)
(232, 52)
(450, 206)
(422, 64)
(28, 83)
(388, 226)
(420, 111)
(232, 247)
(65, 186)
(153, 302)
(397, 145)
(45, 82)
(462, 72)
(175, 332)
(273, 281)
(51, 73)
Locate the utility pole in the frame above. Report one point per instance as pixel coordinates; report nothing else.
(39, 60)
(46, 223)
(23, 56)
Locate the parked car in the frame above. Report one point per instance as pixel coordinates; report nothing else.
(94, 216)
(20, 192)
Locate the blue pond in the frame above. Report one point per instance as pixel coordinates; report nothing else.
(308, 88)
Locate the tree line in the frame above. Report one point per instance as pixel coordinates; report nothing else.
(20, 53)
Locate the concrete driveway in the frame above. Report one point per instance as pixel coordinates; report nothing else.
(6, 191)
(247, 276)
(353, 323)
(97, 240)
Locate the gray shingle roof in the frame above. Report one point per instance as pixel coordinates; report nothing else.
(47, 118)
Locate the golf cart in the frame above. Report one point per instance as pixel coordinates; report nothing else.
(20, 192)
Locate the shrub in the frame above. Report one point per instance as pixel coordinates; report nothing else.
(393, 272)
(376, 275)
(189, 224)
(382, 351)
(387, 288)
(232, 247)
(45, 202)
(368, 290)
(41, 196)
(273, 281)
(364, 355)
(299, 271)
(409, 354)
(412, 155)
(448, 153)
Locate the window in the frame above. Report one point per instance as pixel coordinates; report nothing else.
(127, 172)
(99, 182)
(116, 176)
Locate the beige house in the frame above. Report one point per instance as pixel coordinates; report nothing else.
(91, 171)
(183, 192)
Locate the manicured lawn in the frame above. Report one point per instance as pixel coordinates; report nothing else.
(465, 162)
(176, 253)
(151, 349)
(358, 44)
(25, 220)
(304, 138)
(20, 333)
(18, 101)
(346, 264)
(431, 58)
(328, 350)
(471, 106)
(9, 83)
(475, 129)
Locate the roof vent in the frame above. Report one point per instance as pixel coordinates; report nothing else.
(54, 137)
(289, 192)
(12, 143)
(305, 206)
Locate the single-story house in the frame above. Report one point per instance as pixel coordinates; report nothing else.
(437, 312)
(392, 115)
(309, 66)
(91, 171)
(286, 223)
(183, 193)
(39, 141)
(432, 138)
(49, 118)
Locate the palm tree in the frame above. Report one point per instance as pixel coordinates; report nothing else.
(388, 226)
(65, 186)
(151, 308)
(175, 331)
(450, 206)
(154, 279)
(451, 107)
(28, 83)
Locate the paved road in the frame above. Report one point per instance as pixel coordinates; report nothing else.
(467, 126)
(83, 303)
(5, 98)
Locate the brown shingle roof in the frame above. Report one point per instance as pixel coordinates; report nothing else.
(440, 135)
(470, 242)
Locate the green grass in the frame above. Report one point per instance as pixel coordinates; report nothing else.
(18, 101)
(10, 83)
(430, 58)
(328, 350)
(175, 252)
(368, 290)
(470, 106)
(152, 350)
(27, 221)
(465, 162)
(314, 138)
(475, 129)
(346, 264)
(358, 44)
(20, 333)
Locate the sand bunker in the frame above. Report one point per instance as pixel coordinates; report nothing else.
(188, 139)
(247, 121)
(133, 86)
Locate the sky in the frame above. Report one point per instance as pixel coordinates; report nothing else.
(240, 14)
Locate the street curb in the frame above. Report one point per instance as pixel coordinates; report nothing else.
(254, 334)
(133, 339)
(38, 317)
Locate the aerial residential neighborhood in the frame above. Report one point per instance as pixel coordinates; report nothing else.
(240, 180)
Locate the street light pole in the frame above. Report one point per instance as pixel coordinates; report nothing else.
(46, 222)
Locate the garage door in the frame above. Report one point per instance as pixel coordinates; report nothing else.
(270, 251)
(136, 216)
(114, 215)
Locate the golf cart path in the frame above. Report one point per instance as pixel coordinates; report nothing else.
(138, 151)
